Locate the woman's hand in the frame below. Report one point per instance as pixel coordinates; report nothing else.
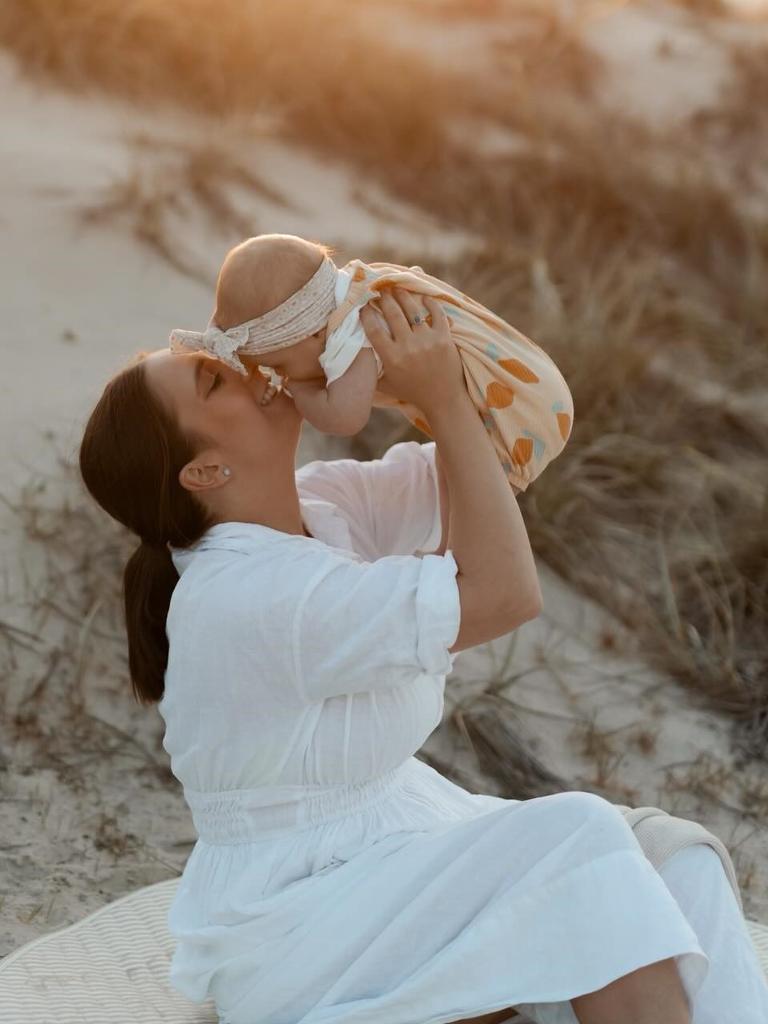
(421, 362)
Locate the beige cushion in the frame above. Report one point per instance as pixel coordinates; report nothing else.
(112, 967)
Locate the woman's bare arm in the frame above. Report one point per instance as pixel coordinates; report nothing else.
(445, 504)
(497, 579)
(498, 582)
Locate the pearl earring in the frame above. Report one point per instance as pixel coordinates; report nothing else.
(226, 471)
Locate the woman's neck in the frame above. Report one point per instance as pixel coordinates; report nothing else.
(265, 502)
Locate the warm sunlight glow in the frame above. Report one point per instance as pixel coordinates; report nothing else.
(749, 6)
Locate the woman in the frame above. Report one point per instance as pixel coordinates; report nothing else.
(296, 629)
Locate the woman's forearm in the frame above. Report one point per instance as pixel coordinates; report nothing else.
(486, 532)
(445, 503)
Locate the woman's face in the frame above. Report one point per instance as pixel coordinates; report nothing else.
(208, 398)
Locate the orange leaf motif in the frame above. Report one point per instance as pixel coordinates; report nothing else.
(523, 450)
(498, 396)
(519, 370)
(564, 422)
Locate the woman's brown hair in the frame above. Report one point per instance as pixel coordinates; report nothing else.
(130, 457)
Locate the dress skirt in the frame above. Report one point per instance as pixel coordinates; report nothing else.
(406, 899)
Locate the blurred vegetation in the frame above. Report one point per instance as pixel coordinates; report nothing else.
(626, 251)
(705, 6)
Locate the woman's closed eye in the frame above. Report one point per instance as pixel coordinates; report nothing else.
(216, 377)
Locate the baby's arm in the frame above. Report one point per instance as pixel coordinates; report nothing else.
(344, 406)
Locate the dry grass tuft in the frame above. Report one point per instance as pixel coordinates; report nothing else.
(489, 726)
(72, 646)
(170, 186)
(744, 793)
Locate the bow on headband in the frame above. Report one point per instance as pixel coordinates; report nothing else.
(221, 344)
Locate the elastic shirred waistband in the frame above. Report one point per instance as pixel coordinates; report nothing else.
(248, 815)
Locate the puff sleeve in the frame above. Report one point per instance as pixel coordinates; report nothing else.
(373, 625)
(395, 498)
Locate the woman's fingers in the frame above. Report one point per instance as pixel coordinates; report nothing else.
(399, 307)
(408, 302)
(436, 311)
(375, 331)
(414, 304)
(396, 318)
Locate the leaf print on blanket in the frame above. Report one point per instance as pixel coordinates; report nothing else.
(522, 450)
(519, 370)
(563, 420)
(498, 396)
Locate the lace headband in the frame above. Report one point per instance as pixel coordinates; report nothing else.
(302, 313)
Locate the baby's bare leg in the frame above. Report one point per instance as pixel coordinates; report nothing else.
(646, 996)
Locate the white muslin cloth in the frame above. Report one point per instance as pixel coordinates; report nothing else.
(345, 341)
(337, 878)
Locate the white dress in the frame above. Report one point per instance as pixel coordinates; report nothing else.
(337, 878)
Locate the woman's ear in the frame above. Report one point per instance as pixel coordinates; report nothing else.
(200, 476)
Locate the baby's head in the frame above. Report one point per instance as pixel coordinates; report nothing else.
(262, 272)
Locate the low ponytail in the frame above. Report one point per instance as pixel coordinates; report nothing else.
(130, 458)
(148, 581)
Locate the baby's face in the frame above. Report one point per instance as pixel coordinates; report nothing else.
(299, 361)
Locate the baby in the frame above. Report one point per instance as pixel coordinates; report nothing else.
(283, 305)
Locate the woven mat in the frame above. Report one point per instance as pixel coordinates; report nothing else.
(111, 968)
